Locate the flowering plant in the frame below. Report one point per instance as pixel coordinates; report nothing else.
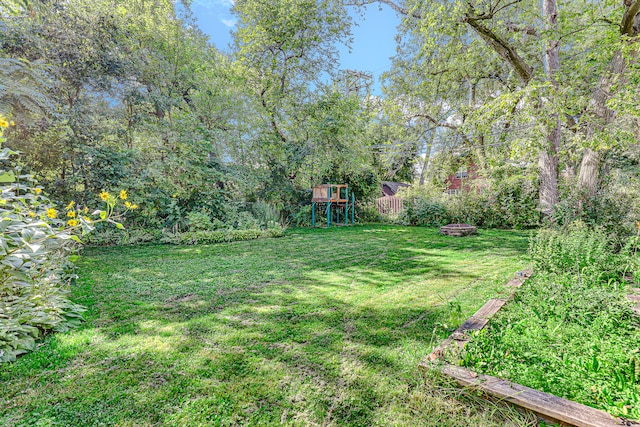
(36, 255)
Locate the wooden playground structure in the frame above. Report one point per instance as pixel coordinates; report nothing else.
(336, 200)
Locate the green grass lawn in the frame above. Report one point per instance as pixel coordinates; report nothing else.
(320, 327)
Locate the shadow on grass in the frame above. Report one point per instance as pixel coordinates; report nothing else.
(323, 327)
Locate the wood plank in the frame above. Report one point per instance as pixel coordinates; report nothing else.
(547, 405)
(490, 308)
(516, 282)
(475, 323)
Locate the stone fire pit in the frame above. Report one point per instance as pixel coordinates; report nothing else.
(458, 229)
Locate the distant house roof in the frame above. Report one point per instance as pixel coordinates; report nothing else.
(390, 188)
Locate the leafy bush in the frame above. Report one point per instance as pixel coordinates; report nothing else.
(134, 236)
(507, 203)
(576, 249)
(36, 249)
(302, 216)
(426, 212)
(615, 208)
(209, 237)
(368, 212)
(266, 215)
(200, 220)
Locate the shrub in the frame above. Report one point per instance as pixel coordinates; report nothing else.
(367, 212)
(36, 248)
(507, 203)
(219, 236)
(267, 215)
(423, 211)
(302, 216)
(576, 249)
(200, 220)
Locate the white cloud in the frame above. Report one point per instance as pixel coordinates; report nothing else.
(229, 22)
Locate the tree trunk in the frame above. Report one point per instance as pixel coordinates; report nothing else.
(548, 173)
(427, 158)
(548, 157)
(589, 173)
(602, 116)
(588, 176)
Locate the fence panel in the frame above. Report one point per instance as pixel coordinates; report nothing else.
(389, 205)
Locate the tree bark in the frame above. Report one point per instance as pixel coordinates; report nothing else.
(589, 176)
(548, 157)
(601, 117)
(548, 173)
(427, 158)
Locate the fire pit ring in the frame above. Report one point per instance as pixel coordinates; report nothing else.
(458, 230)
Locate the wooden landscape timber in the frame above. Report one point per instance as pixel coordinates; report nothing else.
(546, 406)
(458, 230)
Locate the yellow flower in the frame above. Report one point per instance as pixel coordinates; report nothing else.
(52, 213)
(134, 206)
(71, 214)
(127, 205)
(12, 123)
(72, 223)
(31, 214)
(3, 122)
(38, 190)
(86, 218)
(123, 194)
(86, 209)
(104, 195)
(70, 206)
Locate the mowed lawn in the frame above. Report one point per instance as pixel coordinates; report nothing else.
(320, 327)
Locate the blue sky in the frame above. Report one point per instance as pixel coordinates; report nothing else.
(372, 46)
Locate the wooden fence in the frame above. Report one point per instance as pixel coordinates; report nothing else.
(389, 205)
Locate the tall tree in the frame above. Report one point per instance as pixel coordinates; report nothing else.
(513, 32)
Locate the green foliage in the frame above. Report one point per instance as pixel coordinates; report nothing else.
(208, 237)
(35, 271)
(509, 203)
(367, 212)
(576, 249)
(569, 338)
(267, 216)
(570, 330)
(137, 236)
(423, 211)
(615, 208)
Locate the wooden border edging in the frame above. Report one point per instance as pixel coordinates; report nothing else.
(549, 407)
(546, 406)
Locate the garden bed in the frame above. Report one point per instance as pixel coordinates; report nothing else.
(568, 339)
(548, 407)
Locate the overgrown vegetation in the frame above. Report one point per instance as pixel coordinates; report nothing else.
(570, 330)
(494, 203)
(322, 326)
